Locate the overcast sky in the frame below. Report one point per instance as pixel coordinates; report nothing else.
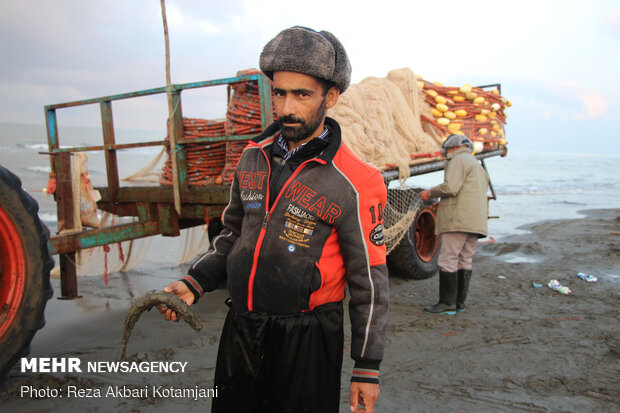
(557, 61)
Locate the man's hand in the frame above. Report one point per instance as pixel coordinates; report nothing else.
(179, 289)
(363, 397)
(425, 195)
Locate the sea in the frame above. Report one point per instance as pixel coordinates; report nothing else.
(530, 186)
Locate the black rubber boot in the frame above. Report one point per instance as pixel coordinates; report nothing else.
(447, 294)
(463, 286)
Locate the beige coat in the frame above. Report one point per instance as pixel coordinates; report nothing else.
(463, 205)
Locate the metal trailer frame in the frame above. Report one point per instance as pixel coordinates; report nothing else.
(154, 206)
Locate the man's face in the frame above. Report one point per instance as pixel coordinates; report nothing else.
(301, 105)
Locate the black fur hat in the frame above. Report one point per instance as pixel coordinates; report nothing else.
(303, 50)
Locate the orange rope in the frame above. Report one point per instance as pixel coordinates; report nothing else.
(50, 189)
(106, 249)
(215, 162)
(425, 155)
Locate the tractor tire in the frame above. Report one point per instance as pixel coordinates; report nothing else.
(25, 265)
(417, 253)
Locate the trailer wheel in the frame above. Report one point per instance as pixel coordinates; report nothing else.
(416, 256)
(25, 265)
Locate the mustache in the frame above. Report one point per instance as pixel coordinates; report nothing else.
(291, 119)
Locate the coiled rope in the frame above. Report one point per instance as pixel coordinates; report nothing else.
(214, 163)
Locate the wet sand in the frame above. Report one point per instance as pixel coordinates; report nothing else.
(516, 349)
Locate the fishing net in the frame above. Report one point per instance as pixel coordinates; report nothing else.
(126, 255)
(478, 113)
(380, 121)
(403, 204)
(399, 121)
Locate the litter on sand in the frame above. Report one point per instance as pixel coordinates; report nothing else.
(587, 277)
(536, 285)
(555, 285)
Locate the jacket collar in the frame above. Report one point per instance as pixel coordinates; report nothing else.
(335, 139)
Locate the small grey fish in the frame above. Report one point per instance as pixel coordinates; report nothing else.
(150, 300)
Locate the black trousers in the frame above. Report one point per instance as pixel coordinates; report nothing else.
(280, 363)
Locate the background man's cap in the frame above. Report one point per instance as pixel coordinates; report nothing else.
(454, 141)
(303, 50)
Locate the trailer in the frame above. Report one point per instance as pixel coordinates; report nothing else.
(27, 247)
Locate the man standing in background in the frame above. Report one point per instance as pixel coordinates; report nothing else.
(461, 219)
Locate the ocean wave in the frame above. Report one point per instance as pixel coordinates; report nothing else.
(568, 203)
(38, 146)
(145, 150)
(552, 189)
(46, 217)
(35, 146)
(40, 169)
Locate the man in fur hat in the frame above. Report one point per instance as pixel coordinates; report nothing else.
(304, 221)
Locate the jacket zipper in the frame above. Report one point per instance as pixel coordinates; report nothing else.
(268, 211)
(261, 236)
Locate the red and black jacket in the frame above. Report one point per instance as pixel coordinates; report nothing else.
(322, 231)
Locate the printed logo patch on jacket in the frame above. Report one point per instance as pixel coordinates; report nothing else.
(376, 235)
(251, 196)
(251, 180)
(307, 198)
(299, 226)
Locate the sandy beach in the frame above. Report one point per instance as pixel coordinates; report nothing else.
(517, 348)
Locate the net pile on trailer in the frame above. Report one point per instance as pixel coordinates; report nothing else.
(474, 112)
(243, 117)
(215, 162)
(205, 161)
(398, 124)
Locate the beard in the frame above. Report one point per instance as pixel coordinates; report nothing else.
(305, 129)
